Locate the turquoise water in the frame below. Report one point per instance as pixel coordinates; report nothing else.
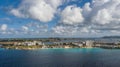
(91, 57)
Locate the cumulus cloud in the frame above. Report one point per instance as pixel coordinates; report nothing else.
(3, 27)
(17, 13)
(100, 16)
(42, 10)
(65, 30)
(4, 30)
(72, 15)
(25, 28)
(97, 17)
(107, 12)
(34, 28)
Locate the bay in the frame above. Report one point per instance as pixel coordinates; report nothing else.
(74, 57)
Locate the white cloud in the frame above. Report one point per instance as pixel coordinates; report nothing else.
(55, 3)
(97, 3)
(65, 30)
(100, 16)
(42, 10)
(86, 10)
(17, 13)
(25, 28)
(4, 27)
(72, 15)
(108, 12)
(84, 30)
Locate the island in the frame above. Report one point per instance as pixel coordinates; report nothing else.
(44, 43)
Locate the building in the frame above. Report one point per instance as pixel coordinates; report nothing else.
(39, 43)
(89, 43)
(0, 45)
(80, 44)
(27, 43)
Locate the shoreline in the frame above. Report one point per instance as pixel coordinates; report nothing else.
(56, 48)
(38, 47)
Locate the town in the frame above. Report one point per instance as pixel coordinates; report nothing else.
(57, 43)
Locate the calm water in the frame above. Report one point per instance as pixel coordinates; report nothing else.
(94, 57)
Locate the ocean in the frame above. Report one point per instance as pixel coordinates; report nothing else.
(73, 57)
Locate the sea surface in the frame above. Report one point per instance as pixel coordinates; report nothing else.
(83, 57)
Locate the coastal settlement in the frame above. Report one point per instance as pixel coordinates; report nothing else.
(29, 44)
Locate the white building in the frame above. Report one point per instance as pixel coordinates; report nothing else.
(30, 43)
(0, 45)
(33, 43)
(78, 44)
(89, 43)
(40, 43)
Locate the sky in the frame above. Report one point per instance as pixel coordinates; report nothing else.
(59, 18)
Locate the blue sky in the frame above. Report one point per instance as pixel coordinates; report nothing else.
(7, 5)
(59, 18)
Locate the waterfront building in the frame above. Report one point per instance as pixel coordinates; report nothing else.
(29, 43)
(0, 45)
(17, 43)
(39, 43)
(80, 44)
(89, 43)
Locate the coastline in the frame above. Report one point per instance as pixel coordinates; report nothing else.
(38, 47)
